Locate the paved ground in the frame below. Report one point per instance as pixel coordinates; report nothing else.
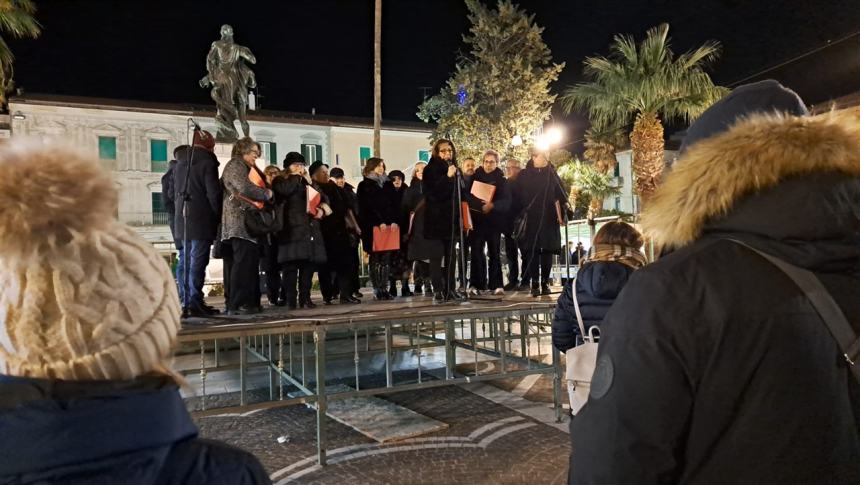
(485, 443)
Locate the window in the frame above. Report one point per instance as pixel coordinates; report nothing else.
(158, 155)
(270, 152)
(424, 155)
(617, 172)
(363, 154)
(107, 148)
(618, 203)
(159, 214)
(312, 153)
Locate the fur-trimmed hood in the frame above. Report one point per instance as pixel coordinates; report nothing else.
(755, 155)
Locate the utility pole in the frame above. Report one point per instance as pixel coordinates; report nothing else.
(377, 77)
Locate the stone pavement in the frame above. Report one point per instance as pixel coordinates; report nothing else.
(486, 442)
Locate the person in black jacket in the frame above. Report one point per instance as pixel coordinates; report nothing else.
(300, 244)
(399, 263)
(420, 250)
(202, 203)
(167, 192)
(376, 204)
(353, 232)
(541, 199)
(86, 394)
(615, 254)
(713, 366)
(275, 292)
(441, 220)
(335, 275)
(488, 217)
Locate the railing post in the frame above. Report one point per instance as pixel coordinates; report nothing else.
(319, 341)
(243, 361)
(388, 349)
(450, 357)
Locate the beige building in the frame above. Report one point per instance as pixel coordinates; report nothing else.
(135, 140)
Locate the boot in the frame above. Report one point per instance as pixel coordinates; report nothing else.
(404, 288)
(392, 287)
(535, 289)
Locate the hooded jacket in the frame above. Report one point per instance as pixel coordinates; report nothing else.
(713, 366)
(130, 432)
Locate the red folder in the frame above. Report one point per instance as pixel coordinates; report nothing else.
(313, 200)
(387, 239)
(467, 218)
(483, 191)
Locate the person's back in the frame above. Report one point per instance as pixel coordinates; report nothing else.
(713, 365)
(89, 315)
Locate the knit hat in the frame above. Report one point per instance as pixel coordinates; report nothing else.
(766, 96)
(82, 296)
(396, 173)
(316, 166)
(336, 173)
(294, 157)
(205, 139)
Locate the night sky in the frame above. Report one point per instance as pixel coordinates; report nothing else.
(319, 53)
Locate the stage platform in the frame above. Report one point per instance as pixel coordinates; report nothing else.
(239, 364)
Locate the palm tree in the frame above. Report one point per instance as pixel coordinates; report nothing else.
(642, 83)
(16, 19)
(586, 180)
(601, 143)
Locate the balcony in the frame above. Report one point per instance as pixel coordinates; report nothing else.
(138, 219)
(158, 167)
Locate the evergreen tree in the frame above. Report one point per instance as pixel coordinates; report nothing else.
(501, 88)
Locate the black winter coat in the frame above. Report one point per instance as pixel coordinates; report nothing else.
(713, 367)
(597, 286)
(494, 221)
(301, 238)
(167, 197)
(536, 191)
(440, 192)
(334, 228)
(130, 432)
(205, 192)
(420, 248)
(376, 205)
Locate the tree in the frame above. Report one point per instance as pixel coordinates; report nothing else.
(601, 143)
(16, 19)
(588, 186)
(501, 88)
(642, 84)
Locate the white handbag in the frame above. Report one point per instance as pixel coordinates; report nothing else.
(581, 361)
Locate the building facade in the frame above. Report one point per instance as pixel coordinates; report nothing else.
(135, 141)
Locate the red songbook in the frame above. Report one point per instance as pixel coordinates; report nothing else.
(467, 217)
(387, 239)
(483, 191)
(313, 200)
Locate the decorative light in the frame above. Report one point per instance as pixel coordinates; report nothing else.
(554, 135)
(516, 141)
(461, 95)
(542, 143)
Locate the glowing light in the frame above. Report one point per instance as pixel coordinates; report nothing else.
(542, 143)
(554, 135)
(517, 140)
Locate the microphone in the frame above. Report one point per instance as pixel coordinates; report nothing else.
(196, 126)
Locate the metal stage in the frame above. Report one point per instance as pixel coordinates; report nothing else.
(280, 358)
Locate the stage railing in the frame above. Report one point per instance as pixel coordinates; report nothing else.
(298, 361)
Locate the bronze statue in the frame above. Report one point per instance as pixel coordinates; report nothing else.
(230, 79)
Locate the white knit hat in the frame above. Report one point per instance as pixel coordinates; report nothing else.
(82, 296)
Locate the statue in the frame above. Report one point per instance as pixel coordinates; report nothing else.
(230, 79)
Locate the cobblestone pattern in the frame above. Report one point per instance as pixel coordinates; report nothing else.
(523, 452)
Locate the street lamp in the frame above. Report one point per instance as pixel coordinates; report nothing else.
(516, 141)
(554, 135)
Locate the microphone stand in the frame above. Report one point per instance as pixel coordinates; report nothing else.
(459, 213)
(186, 263)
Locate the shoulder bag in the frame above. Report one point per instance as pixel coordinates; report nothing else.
(581, 361)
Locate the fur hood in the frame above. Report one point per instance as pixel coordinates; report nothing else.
(755, 154)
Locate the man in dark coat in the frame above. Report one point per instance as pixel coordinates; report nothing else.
(488, 218)
(335, 276)
(167, 192)
(202, 203)
(713, 365)
(350, 199)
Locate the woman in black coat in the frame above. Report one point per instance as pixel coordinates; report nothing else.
(420, 249)
(614, 256)
(488, 217)
(336, 274)
(377, 207)
(300, 243)
(400, 269)
(440, 219)
(537, 191)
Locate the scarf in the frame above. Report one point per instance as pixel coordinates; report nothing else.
(379, 179)
(625, 255)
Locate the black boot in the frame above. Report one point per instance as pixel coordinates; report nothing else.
(535, 289)
(392, 287)
(544, 289)
(404, 288)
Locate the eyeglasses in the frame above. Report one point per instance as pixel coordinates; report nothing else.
(446, 150)
(490, 160)
(256, 153)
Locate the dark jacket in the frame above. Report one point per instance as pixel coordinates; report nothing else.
(494, 221)
(536, 192)
(204, 192)
(301, 238)
(713, 367)
(131, 432)
(597, 286)
(376, 206)
(168, 197)
(334, 228)
(440, 192)
(420, 248)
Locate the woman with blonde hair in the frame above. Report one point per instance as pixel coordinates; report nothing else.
(377, 207)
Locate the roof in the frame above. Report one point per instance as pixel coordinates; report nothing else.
(272, 116)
